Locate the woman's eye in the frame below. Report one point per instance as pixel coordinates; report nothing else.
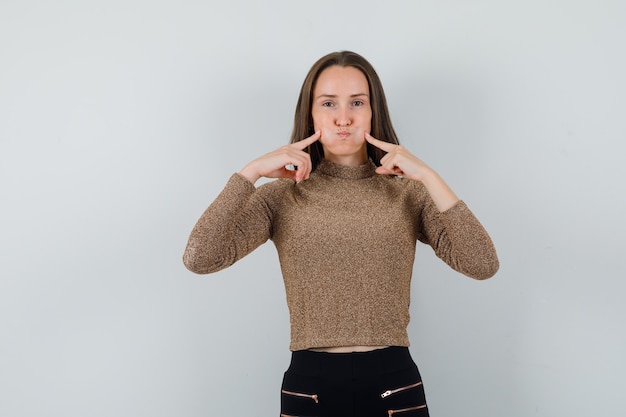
(327, 104)
(357, 103)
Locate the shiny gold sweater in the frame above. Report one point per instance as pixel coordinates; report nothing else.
(346, 241)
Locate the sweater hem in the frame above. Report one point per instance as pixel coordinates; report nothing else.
(295, 346)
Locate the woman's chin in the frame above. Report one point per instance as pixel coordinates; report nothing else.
(356, 154)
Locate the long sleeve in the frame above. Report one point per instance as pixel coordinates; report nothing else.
(235, 224)
(460, 240)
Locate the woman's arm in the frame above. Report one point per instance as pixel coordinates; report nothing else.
(459, 239)
(233, 225)
(399, 161)
(239, 220)
(446, 223)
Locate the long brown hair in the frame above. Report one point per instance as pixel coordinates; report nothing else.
(381, 127)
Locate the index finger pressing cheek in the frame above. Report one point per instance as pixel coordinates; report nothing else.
(308, 141)
(385, 146)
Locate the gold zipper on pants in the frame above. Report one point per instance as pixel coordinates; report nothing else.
(394, 391)
(299, 394)
(392, 412)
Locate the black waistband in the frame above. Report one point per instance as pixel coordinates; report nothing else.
(351, 365)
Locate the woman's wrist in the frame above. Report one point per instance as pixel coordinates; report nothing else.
(442, 195)
(250, 173)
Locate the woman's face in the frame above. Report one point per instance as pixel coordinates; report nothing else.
(341, 111)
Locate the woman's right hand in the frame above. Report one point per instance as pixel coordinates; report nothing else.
(274, 164)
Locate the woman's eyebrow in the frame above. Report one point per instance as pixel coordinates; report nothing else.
(335, 95)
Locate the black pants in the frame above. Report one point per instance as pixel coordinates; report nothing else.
(380, 383)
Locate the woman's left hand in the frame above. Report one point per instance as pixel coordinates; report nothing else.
(399, 161)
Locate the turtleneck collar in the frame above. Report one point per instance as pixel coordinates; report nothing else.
(332, 169)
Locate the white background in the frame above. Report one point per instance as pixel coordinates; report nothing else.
(120, 121)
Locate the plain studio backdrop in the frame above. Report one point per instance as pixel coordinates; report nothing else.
(120, 121)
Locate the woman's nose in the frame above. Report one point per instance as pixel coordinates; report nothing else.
(343, 118)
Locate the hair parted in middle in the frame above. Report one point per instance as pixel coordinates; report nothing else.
(381, 127)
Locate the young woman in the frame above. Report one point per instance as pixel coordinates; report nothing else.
(345, 216)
